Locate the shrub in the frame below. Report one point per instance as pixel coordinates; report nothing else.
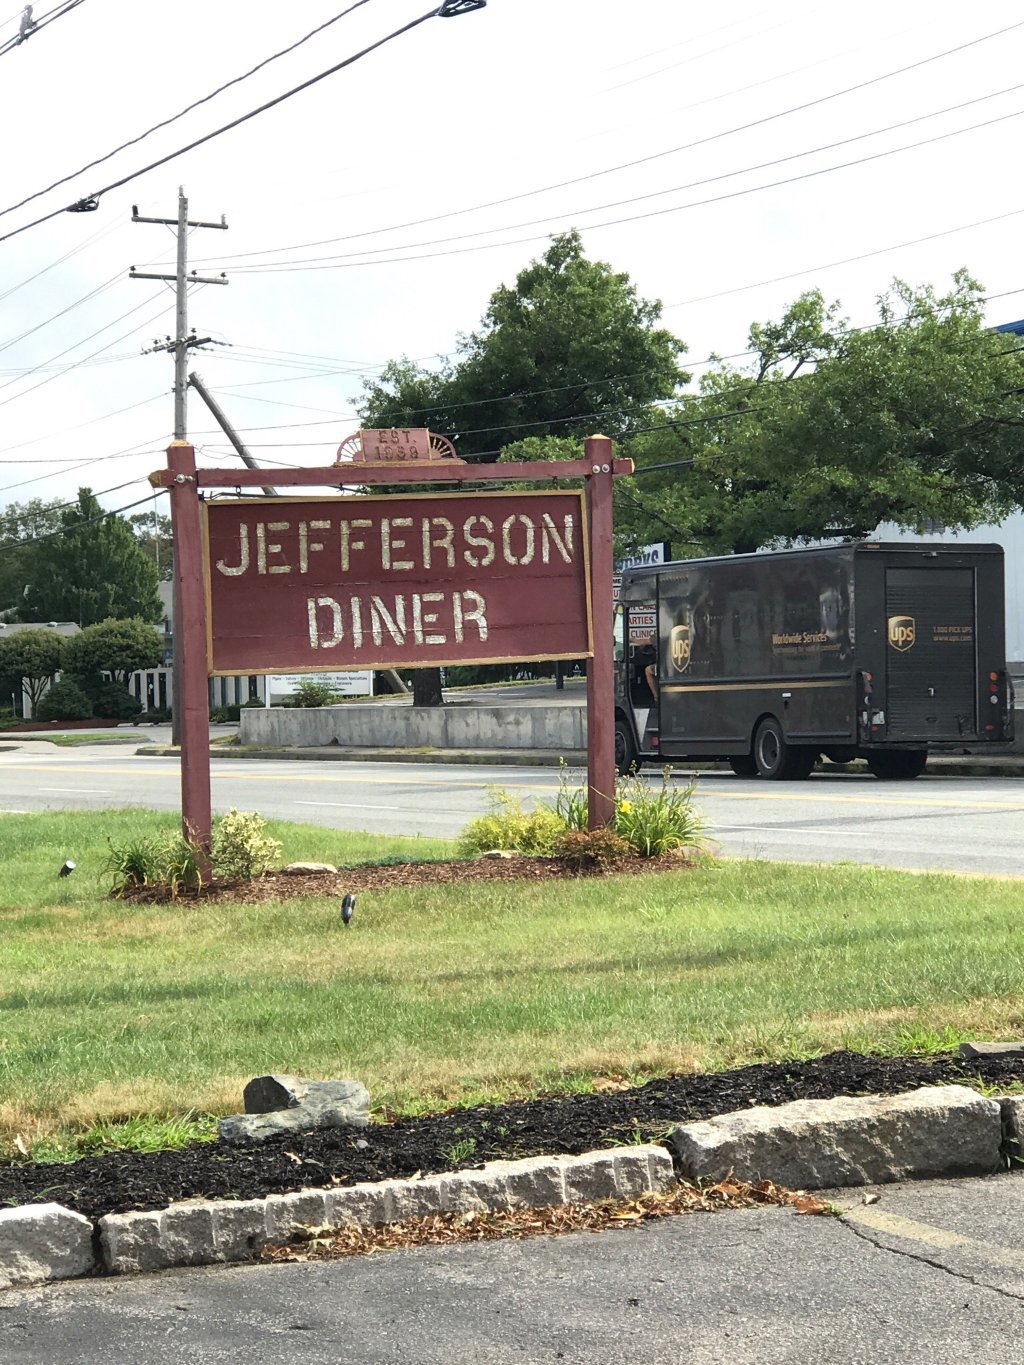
(111, 701)
(510, 828)
(659, 820)
(64, 701)
(179, 863)
(585, 849)
(312, 692)
(241, 850)
(223, 715)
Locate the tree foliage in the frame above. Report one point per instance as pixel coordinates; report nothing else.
(152, 531)
(91, 570)
(119, 648)
(570, 348)
(21, 523)
(31, 658)
(831, 431)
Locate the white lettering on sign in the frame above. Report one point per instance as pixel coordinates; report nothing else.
(401, 544)
(415, 618)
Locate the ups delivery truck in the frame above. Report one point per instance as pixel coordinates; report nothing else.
(885, 652)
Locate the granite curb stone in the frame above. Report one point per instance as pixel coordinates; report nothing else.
(936, 1131)
(205, 1232)
(43, 1242)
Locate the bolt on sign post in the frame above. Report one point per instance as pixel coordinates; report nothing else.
(316, 583)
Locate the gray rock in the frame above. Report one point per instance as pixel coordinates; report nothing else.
(1012, 1107)
(297, 869)
(871, 1140)
(316, 1104)
(497, 853)
(970, 1050)
(40, 1242)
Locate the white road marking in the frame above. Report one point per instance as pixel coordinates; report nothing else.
(79, 791)
(1007, 1258)
(348, 805)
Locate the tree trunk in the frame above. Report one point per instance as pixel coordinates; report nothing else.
(426, 687)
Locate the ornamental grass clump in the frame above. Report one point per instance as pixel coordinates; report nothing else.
(655, 820)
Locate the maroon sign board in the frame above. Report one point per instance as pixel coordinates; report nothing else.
(328, 583)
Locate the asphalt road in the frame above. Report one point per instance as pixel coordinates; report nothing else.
(931, 1273)
(953, 823)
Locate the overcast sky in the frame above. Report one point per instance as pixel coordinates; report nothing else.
(647, 107)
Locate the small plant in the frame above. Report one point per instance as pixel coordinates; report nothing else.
(136, 862)
(241, 849)
(584, 849)
(180, 865)
(461, 1151)
(311, 692)
(571, 802)
(659, 820)
(510, 828)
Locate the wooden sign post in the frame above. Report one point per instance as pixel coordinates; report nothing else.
(306, 584)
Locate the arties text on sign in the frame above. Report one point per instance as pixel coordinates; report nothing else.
(369, 582)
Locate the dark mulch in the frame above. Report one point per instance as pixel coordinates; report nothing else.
(577, 1123)
(276, 886)
(58, 725)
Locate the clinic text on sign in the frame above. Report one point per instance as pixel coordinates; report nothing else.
(368, 582)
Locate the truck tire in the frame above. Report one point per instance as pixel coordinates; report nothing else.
(897, 765)
(627, 759)
(743, 765)
(775, 759)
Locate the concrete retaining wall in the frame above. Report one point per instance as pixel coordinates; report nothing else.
(403, 726)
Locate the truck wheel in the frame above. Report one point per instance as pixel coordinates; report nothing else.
(897, 765)
(626, 756)
(775, 759)
(743, 765)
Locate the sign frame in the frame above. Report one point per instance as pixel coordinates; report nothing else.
(596, 470)
(396, 662)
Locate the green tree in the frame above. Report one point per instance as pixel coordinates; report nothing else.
(568, 350)
(831, 431)
(30, 658)
(119, 648)
(21, 523)
(91, 570)
(152, 531)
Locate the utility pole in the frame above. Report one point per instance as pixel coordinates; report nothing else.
(181, 344)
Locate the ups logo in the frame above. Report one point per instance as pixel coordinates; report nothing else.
(902, 632)
(679, 648)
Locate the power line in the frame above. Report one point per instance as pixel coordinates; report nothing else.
(341, 263)
(86, 521)
(34, 25)
(640, 161)
(130, 332)
(447, 9)
(78, 302)
(849, 260)
(181, 114)
(103, 232)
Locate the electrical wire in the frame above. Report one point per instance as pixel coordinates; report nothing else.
(181, 114)
(42, 22)
(149, 299)
(227, 127)
(103, 232)
(5, 345)
(86, 521)
(848, 260)
(630, 165)
(342, 263)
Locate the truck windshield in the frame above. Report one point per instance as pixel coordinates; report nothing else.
(619, 634)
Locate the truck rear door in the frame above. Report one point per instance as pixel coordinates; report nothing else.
(931, 654)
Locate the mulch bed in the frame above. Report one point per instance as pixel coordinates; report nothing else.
(58, 725)
(570, 1124)
(275, 886)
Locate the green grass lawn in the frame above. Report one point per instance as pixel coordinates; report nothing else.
(438, 995)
